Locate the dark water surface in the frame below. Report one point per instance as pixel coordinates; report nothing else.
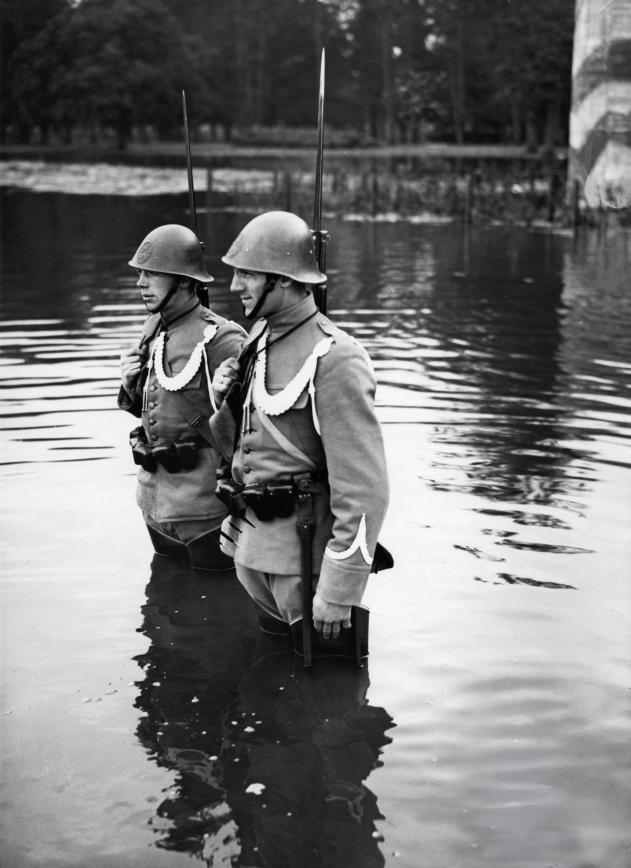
(143, 723)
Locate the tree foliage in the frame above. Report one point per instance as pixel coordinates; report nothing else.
(397, 70)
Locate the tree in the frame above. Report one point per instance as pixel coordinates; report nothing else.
(467, 70)
(532, 68)
(21, 20)
(104, 65)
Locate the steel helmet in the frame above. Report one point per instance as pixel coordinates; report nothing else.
(172, 249)
(276, 242)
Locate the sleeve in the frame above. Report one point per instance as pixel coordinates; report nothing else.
(226, 344)
(356, 467)
(131, 403)
(225, 423)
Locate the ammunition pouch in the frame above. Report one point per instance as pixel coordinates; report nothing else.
(229, 493)
(267, 500)
(174, 457)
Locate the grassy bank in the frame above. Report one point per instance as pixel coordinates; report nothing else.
(471, 182)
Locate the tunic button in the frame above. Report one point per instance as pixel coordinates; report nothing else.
(246, 469)
(153, 421)
(152, 404)
(153, 388)
(246, 449)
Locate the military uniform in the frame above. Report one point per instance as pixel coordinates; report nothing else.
(173, 399)
(309, 408)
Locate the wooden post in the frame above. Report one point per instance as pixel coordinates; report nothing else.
(209, 192)
(374, 191)
(468, 201)
(287, 190)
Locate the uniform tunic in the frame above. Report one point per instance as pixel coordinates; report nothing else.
(347, 451)
(187, 494)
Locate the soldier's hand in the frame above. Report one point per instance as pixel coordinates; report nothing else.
(329, 618)
(131, 366)
(225, 375)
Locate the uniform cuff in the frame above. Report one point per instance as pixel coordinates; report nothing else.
(130, 403)
(342, 584)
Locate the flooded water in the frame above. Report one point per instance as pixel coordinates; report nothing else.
(146, 724)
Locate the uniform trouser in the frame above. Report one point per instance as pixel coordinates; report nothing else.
(278, 596)
(184, 531)
(197, 538)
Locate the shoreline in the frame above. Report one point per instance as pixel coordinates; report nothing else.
(207, 153)
(376, 191)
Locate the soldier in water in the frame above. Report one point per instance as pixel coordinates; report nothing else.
(166, 383)
(307, 487)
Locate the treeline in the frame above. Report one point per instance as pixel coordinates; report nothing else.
(397, 70)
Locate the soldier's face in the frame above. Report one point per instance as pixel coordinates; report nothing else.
(154, 286)
(249, 285)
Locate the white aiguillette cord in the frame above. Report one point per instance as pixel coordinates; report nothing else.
(281, 402)
(177, 381)
(252, 361)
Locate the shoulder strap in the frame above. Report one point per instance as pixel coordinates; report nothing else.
(195, 417)
(285, 444)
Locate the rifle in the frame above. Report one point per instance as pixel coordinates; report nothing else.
(202, 291)
(320, 236)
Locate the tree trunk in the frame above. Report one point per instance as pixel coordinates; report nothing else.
(456, 83)
(386, 74)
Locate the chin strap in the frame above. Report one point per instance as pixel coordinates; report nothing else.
(270, 283)
(167, 298)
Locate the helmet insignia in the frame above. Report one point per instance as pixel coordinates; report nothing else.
(144, 253)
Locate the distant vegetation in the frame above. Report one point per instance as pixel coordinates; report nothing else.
(398, 71)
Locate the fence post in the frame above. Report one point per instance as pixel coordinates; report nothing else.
(287, 190)
(374, 190)
(576, 217)
(209, 191)
(468, 201)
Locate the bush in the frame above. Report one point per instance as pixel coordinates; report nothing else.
(299, 137)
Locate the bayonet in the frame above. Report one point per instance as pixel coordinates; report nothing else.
(320, 237)
(189, 167)
(202, 290)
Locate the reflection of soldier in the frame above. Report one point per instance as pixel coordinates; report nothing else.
(305, 743)
(270, 759)
(166, 383)
(202, 639)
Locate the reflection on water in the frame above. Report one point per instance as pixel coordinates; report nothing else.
(500, 642)
(269, 759)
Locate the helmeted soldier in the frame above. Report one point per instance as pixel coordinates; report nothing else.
(166, 382)
(304, 407)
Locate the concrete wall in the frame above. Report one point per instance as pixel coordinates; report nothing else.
(600, 120)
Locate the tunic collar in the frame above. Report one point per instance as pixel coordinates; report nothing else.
(284, 319)
(168, 322)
